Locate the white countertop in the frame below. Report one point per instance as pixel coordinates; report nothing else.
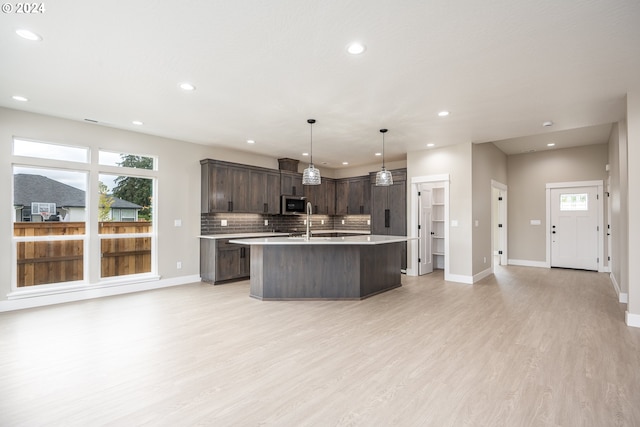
(373, 239)
(240, 235)
(274, 234)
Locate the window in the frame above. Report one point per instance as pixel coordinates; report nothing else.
(46, 150)
(49, 225)
(53, 219)
(126, 160)
(574, 202)
(124, 224)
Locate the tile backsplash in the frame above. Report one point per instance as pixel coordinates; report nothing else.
(255, 223)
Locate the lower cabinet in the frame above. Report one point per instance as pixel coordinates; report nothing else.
(221, 261)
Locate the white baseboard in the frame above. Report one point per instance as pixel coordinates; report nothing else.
(97, 292)
(482, 274)
(459, 278)
(623, 297)
(632, 319)
(527, 263)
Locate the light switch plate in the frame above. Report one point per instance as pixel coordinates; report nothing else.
(535, 222)
(177, 223)
(266, 222)
(454, 222)
(223, 222)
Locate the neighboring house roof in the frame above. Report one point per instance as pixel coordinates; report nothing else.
(37, 188)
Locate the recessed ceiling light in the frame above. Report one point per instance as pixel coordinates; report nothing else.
(443, 113)
(345, 163)
(187, 86)
(29, 35)
(137, 122)
(378, 154)
(20, 98)
(356, 48)
(250, 141)
(431, 144)
(305, 154)
(551, 144)
(547, 124)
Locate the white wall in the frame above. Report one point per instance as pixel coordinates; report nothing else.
(178, 181)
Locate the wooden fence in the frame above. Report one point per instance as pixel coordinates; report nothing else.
(58, 261)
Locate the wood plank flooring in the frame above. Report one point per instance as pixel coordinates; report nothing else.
(528, 346)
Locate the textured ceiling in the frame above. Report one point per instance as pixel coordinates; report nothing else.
(262, 68)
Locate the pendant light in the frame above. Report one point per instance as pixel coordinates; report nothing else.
(383, 177)
(311, 175)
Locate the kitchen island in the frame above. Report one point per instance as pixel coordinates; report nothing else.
(332, 268)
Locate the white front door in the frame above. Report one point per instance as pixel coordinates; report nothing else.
(574, 227)
(425, 265)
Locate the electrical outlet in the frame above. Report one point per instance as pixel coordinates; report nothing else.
(179, 265)
(266, 222)
(368, 222)
(322, 221)
(223, 223)
(305, 222)
(485, 260)
(343, 222)
(177, 223)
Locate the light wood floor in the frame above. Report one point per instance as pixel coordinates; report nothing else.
(529, 346)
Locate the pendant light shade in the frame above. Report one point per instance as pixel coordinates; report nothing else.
(311, 175)
(383, 177)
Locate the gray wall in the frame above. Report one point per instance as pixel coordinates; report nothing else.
(456, 161)
(528, 174)
(489, 163)
(632, 190)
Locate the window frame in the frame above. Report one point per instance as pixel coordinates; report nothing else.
(91, 237)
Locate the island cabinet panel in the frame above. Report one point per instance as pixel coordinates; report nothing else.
(291, 183)
(232, 187)
(322, 197)
(353, 196)
(329, 272)
(221, 261)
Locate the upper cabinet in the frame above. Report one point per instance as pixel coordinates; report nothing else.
(291, 183)
(322, 197)
(231, 187)
(353, 196)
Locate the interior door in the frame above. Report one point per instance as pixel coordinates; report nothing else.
(425, 265)
(574, 228)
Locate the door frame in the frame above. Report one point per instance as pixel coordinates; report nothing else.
(412, 245)
(599, 184)
(425, 230)
(504, 214)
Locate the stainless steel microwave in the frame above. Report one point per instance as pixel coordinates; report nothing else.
(293, 205)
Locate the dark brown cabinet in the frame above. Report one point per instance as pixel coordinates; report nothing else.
(265, 192)
(389, 208)
(231, 187)
(322, 197)
(291, 183)
(221, 261)
(353, 196)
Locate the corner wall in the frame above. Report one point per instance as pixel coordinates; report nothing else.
(456, 161)
(489, 163)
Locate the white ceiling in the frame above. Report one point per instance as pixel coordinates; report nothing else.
(262, 68)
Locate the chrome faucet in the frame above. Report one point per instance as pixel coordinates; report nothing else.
(309, 213)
